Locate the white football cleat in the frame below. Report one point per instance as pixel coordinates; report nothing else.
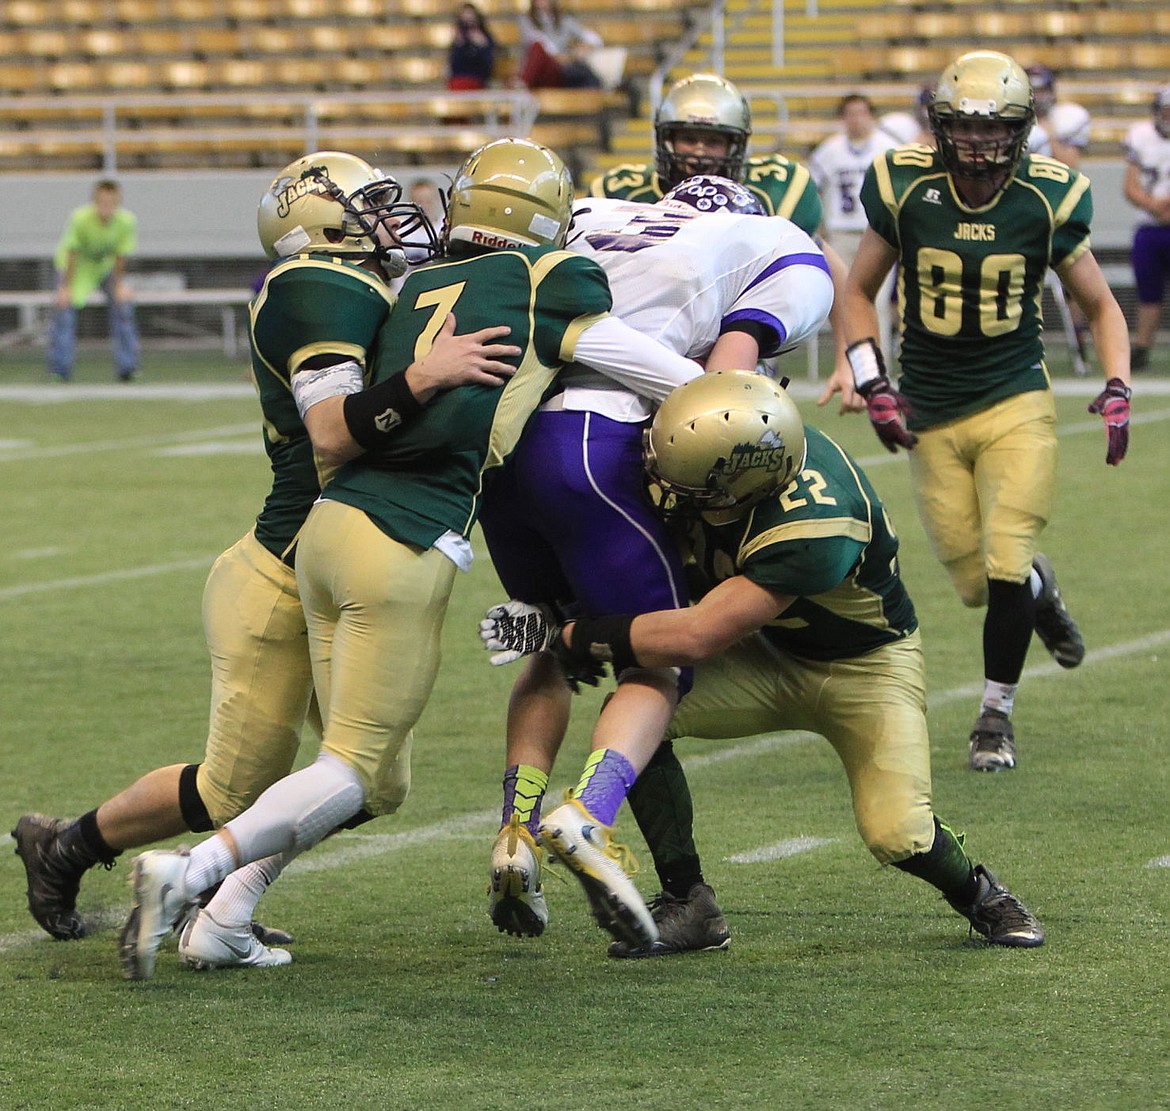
(207, 945)
(516, 898)
(587, 848)
(160, 900)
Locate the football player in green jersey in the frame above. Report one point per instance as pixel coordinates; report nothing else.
(327, 291)
(974, 227)
(378, 553)
(703, 126)
(806, 625)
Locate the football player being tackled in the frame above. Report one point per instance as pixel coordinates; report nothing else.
(783, 524)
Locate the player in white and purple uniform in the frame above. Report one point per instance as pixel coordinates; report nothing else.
(569, 522)
(1147, 187)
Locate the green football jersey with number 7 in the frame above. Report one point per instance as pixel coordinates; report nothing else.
(427, 479)
(970, 280)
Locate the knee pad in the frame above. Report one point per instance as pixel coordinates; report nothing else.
(191, 804)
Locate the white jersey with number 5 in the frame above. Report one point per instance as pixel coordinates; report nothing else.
(838, 167)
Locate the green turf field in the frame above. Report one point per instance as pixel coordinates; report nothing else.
(846, 986)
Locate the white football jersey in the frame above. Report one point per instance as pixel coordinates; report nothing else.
(1065, 123)
(902, 127)
(1150, 152)
(680, 276)
(1039, 141)
(838, 167)
(1069, 123)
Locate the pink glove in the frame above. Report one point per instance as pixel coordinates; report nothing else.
(1112, 403)
(887, 409)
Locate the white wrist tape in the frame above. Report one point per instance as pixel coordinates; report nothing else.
(312, 386)
(865, 360)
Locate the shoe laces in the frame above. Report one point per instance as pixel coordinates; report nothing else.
(1009, 913)
(620, 853)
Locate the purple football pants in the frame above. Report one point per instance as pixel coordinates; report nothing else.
(568, 520)
(1150, 259)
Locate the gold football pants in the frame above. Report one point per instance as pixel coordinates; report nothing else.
(984, 487)
(375, 610)
(261, 681)
(870, 708)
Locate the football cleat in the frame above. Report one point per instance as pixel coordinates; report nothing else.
(993, 743)
(266, 935)
(693, 924)
(205, 945)
(587, 849)
(53, 875)
(161, 900)
(516, 898)
(999, 916)
(1054, 624)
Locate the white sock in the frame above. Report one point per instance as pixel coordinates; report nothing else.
(298, 810)
(999, 696)
(235, 902)
(210, 862)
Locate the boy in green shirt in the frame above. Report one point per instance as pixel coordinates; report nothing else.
(90, 255)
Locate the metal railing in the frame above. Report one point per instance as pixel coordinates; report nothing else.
(115, 124)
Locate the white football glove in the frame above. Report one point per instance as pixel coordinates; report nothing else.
(516, 629)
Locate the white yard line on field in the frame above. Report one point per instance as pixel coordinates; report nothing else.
(28, 452)
(780, 850)
(8, 593)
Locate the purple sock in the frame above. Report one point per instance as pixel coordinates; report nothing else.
(604, 784)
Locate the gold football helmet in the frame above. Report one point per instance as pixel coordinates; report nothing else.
(725, 441)
(338, 203)
(701, 102)
(982, 85)
(510, 193)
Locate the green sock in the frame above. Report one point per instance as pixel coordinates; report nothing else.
(944, 865)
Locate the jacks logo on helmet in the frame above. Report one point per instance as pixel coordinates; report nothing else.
(767, 454)
(288, 191)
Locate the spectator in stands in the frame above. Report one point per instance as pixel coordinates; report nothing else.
(555, 48)
(1066, 124)
(472, 55)
(1147, 187)
(91, 254)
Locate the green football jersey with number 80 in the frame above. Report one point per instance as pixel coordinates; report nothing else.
(970, 280)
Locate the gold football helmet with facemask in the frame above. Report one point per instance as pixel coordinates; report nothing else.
(510, 193)
(982, 85)
(701, 102)
(725, 441)
(338, 203)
